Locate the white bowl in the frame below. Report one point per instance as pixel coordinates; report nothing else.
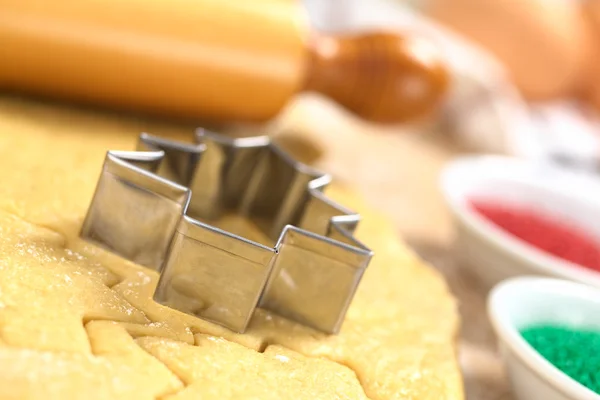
(495, 255)
(521, 302)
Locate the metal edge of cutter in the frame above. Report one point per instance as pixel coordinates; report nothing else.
(145, 208)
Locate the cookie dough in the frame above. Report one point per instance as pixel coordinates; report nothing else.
(79, 322)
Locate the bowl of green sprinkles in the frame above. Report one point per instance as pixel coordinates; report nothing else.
(549, 337)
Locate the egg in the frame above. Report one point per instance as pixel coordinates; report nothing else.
(542, 43)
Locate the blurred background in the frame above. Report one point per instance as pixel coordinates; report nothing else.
(523, 72)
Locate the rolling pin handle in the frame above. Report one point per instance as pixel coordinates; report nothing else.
(381, 77)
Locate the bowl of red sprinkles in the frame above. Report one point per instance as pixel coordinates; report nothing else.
(516, 217)
(548, 332)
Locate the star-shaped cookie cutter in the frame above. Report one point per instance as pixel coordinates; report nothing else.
(145, 209)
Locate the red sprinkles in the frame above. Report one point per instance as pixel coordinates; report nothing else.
(544, 232)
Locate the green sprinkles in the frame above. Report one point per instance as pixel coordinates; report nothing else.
(576, 352)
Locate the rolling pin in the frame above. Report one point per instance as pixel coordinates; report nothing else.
(216, 60)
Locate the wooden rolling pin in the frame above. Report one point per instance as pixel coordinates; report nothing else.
(217, 60)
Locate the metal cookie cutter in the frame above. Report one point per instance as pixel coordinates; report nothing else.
(145, 206)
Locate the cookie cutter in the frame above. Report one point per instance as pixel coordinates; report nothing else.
(147, 206)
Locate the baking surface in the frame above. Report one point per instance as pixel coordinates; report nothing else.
(397, 171)
(76, 321)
